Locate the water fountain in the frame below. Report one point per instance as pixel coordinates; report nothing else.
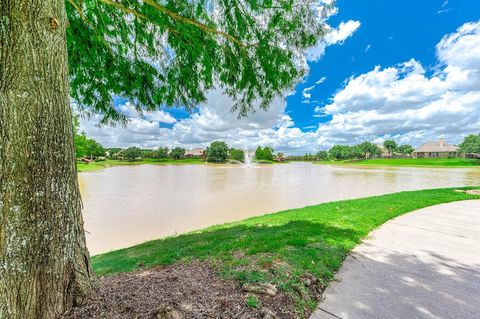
(248, 158)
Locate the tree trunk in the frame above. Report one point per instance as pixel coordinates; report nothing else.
(44, 263)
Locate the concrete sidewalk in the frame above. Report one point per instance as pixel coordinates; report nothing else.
(425, 264)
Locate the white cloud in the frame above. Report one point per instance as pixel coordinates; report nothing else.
(160, 116)
(321, 80)
(155, 116)
(444, 8)
(405, 103)
(306, 92)
(333, 36)
(344, 31)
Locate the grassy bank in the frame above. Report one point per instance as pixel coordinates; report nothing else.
(94, 166)
(422, 162)
(290, 249)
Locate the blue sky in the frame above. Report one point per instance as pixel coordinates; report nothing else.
(391, 31)
(402, 69)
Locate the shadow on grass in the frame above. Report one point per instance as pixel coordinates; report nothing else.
(313, 239)
(303, 245)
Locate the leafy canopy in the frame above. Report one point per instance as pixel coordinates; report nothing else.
(160, 153)
(264, 154)
(132, 153)
(369, 149)
(322, 155)
(177, 153)
(159, 53)
(340, 152)
(471, 144)
(259, 153)
(268, 154)
(217, 152)
(390, 145)
(236, 154)
(406, 149)
(84, 146)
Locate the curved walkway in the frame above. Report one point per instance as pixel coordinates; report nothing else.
(425, 264)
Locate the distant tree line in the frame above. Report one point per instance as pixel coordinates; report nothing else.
(216, 152)
(220, 152)
(360, 151)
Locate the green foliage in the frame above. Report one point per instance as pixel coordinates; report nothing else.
(132, 153)
(80, 144)
(322, 155)
(365, 150)
(471, 145)
(267, 154)
(161, 153)
(264, 154)
(169, 53)
(369, 149)
(340, 152)
(259, 154)
(406, 149)
(147, 153)
(84, 146)
(308, 157)
(391, 146)
(217, 152)
(356, 152)
(251, 301)
(177, 153)
(237, 154)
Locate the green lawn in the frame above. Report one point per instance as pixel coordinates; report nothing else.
(434, 162)
(281, 248)
(94, 166)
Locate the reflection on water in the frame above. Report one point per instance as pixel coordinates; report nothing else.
(128, 205)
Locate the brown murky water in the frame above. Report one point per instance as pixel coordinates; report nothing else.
(129, 205)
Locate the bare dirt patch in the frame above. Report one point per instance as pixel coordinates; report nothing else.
(192, 290)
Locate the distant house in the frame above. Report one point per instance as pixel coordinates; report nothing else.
(195, 153)
(280, 157)
(435, 149)
(385, 152)
(118, 156)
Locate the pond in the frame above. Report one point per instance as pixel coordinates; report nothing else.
(127, 205)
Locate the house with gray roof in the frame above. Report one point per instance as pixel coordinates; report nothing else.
(434, 149)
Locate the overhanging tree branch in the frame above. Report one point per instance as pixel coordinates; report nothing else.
(199, 25)
(174, 16)
(125, 9)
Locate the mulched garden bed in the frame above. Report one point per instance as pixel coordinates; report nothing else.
(191, 290)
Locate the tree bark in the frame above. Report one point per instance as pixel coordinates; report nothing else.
(44, 262)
